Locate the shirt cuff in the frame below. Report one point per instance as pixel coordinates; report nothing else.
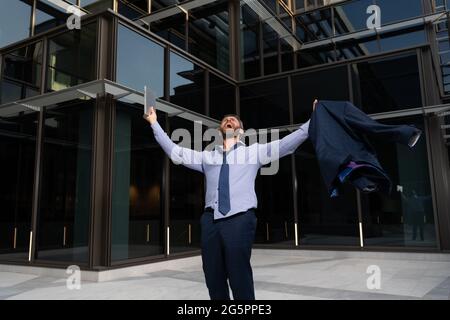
(305, 126)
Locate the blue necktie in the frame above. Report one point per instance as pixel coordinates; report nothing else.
(224, 186)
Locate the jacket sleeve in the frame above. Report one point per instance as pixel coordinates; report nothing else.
(189, 158)
(277, 149)
(361, 122)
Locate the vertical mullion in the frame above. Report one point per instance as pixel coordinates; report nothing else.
(293, 166)
(186, 32)
(32, 18)
(36, 185)
(234, 41)
(166, 163)
(360, 218)
(358, 193)
(207, 94)
(295, 195)
(261, 47)
(38, 159)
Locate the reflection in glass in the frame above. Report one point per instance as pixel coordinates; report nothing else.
(72, 58)
(322, 220)
(132, 9)
(137, 216)
(351, 16)
(222, 97)
(404, 218)
(187, 84)
(398, 10)
(265, 104)
(94, 6)
(17, 161)
(65, 194)
(14, 21)
(388, 84)
(315, 56)
(48, 15)
(186, 200)
(160, 4)
(403, 39)
(249, 37)
(142, 66)
(21, 73)
(209, 34)
(275, 209)
(172, 28)
(314, 25)
(287, 56)
(315, 85)
(270, 47)
(356, 47)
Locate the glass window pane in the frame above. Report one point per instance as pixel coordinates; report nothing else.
(133, 9)
(265, 104)
(94, 6)
(271, 5)
(388, 84)
(316, 56)
(142, 66)
(323, 220)
(48, 15)
(275, 209)
(160, 4)
(287, 56)
(403, 39)
(351, 16)
(249, 36)
(186, 199)
(270, 47)
(14, 21)
(315, 85)
(222, 97)
(405, 217)
(17, 161)
(285, 17)
(209, 34)
(172, 28)
(356, 47)
(299, 5)
(187, 81)
(314, 25)
(64, 207)
(393, 11)
(137, 216)
(72, 58)
(22, 70)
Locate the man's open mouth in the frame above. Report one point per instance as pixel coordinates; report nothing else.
(229, 126)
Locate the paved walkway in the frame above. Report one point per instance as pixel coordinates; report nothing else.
(279, 274)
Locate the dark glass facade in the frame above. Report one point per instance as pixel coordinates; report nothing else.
(65, 192)
(17, 158)
(137, 228)
(86, 183)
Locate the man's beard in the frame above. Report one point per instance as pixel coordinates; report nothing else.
(229, 133)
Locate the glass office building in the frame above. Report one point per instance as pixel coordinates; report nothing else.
(84, 182)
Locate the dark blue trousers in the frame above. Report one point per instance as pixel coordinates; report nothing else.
(226, 251)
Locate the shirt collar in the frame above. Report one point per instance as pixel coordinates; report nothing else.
(236, 145)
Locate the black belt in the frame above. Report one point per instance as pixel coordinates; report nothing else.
(209, 209)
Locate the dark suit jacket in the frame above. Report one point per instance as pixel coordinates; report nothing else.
(338, 131)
